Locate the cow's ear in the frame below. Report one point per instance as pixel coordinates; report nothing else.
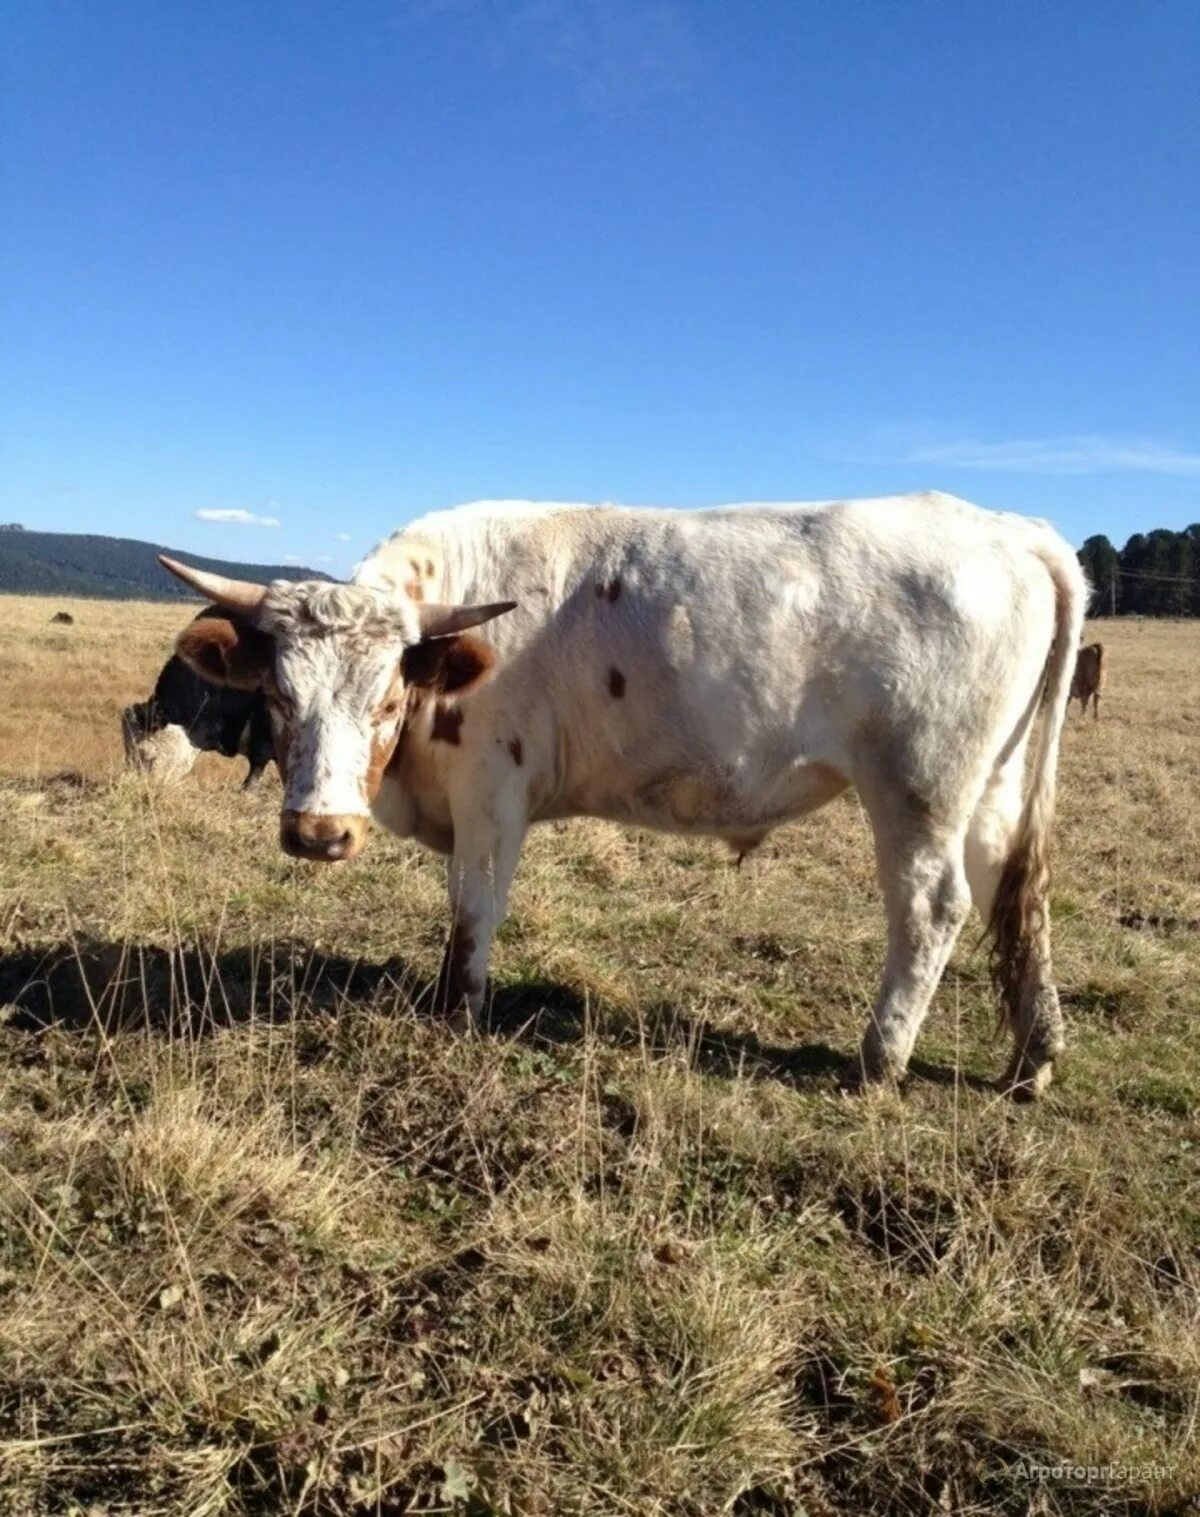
(448, 665)
(227, 652)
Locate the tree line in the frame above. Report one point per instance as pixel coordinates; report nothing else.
(1155, 574)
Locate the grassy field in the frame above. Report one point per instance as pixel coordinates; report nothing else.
(273, 1240)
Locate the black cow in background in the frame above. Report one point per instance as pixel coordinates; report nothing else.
(187, 716)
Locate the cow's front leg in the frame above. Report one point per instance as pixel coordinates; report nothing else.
(480, 871)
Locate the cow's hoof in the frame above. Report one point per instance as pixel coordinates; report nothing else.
(453, 1007)
(454, 1010)
(1024, 1080)
(463, 1020)
(858, 1076)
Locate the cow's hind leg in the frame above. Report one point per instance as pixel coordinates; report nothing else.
(921, 874)
(1009, 894)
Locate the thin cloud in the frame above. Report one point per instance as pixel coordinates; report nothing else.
(1058, 455)
(239, 518)
(618, 55)
(341, 537)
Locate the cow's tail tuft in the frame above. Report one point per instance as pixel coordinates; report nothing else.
(1018, 917)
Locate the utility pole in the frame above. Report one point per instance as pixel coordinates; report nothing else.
(1113, 589)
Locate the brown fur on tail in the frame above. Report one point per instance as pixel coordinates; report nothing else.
(1019, 921)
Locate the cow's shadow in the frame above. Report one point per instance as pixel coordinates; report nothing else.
(195, 991)
(541, 1012)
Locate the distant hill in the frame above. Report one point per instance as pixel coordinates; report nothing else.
(114, 568)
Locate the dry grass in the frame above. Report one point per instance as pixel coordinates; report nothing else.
(273, 1240)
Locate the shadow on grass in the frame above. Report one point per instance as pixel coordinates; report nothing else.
(90, 983)
(193, 991)
(550, 1014)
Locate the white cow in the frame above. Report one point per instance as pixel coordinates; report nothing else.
(719, 672)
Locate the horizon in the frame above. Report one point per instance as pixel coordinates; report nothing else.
(280, 281)
(292, 561)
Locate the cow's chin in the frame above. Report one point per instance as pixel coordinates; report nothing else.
(322, 839)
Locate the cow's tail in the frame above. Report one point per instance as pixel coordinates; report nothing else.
(1018, 918)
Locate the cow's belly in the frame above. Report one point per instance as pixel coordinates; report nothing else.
(712, 801)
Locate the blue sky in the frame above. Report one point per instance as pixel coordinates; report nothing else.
(332, 265)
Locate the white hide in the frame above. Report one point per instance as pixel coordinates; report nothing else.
(719, 672)
(724, 671)
(753, 643)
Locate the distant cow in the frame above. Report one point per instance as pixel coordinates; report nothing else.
(63, 619)
(1091, 669)
(717, 672)
(187, 716)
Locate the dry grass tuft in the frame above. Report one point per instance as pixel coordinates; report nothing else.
(275, 1241)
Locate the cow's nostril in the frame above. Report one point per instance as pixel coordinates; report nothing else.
(320, 839)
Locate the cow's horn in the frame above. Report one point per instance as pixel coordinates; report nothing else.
(443, 621)
(234, 594)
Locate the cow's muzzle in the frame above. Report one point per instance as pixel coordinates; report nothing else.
(322, 839)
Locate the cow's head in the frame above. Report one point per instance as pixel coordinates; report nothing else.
(337, 664)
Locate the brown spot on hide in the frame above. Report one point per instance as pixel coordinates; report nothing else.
(455, 982)
(412, 586)
(609, 592)
(517, 751)
(616, 684)
(447, 724)
(429, 569)
(918, 806)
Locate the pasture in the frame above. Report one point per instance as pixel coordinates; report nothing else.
(274, 1240)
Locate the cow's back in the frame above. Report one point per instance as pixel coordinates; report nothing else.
(701, 668)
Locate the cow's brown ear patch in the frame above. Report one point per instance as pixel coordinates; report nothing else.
(449, 665)
(447, 725)
(227, 652)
